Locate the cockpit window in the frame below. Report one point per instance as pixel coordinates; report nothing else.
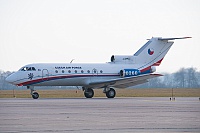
(23, 69)
(28, 69)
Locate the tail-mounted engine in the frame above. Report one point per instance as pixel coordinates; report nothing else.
(121, 58)
(136, 72)
(129, 72)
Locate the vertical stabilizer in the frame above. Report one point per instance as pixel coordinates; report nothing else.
(153, 52)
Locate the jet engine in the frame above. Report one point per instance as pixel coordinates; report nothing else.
(129, 72)
(121, 58)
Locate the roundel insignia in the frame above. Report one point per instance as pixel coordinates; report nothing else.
(150, 51)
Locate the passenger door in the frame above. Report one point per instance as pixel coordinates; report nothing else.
(45, 74)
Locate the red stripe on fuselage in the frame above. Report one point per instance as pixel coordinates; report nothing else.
(36, 81)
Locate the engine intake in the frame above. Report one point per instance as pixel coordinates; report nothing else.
(129, 72)
(121, 58)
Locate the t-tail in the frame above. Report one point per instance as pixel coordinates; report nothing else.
(153, 52)
(150, 54)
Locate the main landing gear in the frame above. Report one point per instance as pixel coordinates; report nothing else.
(34, 94)
(89, 93)
(110, 92)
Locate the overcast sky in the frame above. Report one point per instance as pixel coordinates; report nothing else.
(90, 31)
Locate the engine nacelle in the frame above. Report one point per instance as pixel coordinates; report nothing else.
(121, 58)
(153, 69)
(129, 72)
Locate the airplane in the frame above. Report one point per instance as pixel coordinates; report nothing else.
(121, 72)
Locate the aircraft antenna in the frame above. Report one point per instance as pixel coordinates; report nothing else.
(71, 61)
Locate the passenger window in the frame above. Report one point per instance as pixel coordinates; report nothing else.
(101, 71)
(75, 71)
(33, 68)
(63, 71)
(56, 71)
(88, 71)
(82, 71)
(69, 71)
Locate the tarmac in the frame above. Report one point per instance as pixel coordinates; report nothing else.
(99, 115)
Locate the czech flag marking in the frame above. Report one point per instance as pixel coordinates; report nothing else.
(150, 51)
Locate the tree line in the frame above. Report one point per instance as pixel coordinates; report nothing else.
(183, 78)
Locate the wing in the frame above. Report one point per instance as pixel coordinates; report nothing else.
(124, 82)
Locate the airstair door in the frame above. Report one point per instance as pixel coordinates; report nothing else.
(45, 74)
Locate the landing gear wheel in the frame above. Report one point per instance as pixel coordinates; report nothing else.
(35, 95)
(89, 93)
(111, 93)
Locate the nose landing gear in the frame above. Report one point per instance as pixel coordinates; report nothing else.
(34, 95)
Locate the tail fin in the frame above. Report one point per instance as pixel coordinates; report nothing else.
(153, 52)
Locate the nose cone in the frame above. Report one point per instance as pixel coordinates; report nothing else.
(11, 78)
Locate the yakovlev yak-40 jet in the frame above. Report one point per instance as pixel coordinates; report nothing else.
(120, 72)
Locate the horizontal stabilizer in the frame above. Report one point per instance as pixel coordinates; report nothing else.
(163, 39)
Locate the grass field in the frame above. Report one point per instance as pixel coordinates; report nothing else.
(98, 93)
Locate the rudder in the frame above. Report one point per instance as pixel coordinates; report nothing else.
(153, 52)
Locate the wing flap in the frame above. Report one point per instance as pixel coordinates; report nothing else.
(124, 82)
(131, 84)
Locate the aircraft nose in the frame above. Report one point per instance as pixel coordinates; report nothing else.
(10, 78)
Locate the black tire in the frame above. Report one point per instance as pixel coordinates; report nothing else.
(111, 93)
(35, 95)
(89, 93)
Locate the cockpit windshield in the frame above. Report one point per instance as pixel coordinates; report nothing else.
(27, 69)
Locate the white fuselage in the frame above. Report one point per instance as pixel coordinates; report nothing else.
(69, 74)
